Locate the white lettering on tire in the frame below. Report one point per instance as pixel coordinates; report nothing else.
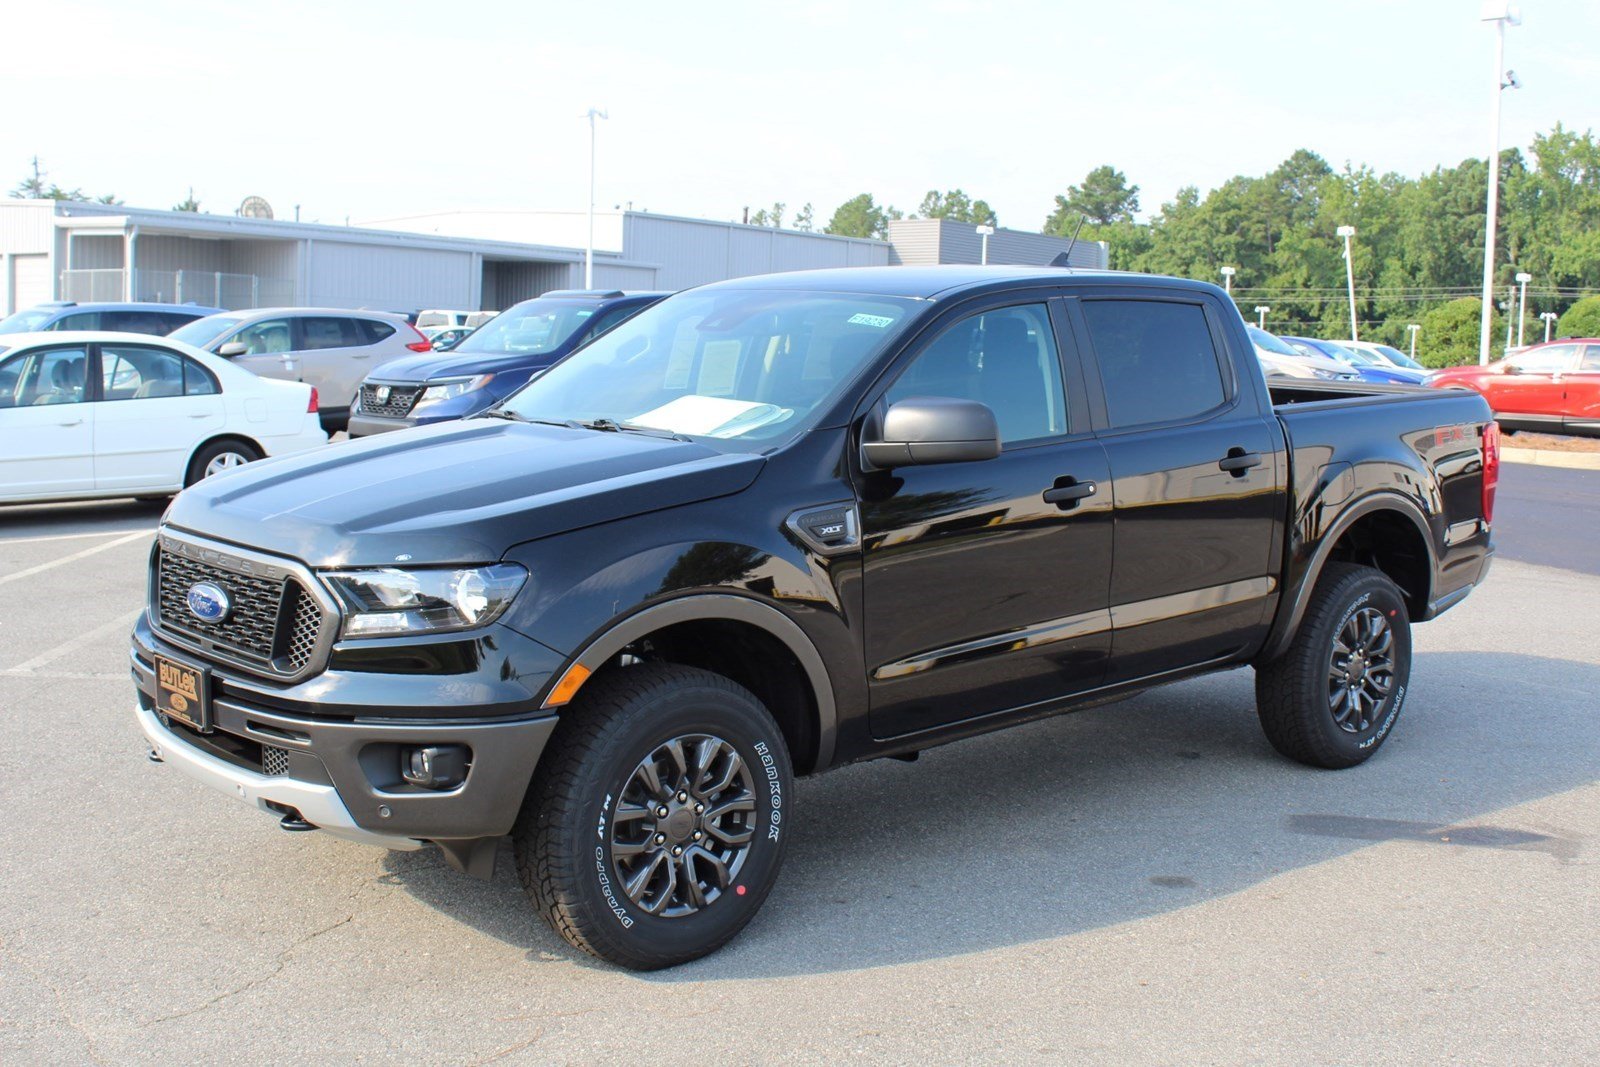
(774, 789)
(605, 888)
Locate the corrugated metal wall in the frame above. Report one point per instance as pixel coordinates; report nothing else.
(175, 253)
(692, 251)
(506, 283)
(616, 276)
(353, 275)
(93, 253)
(26, 225)
(264, 259)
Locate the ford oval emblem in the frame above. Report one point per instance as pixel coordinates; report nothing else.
(209, 602)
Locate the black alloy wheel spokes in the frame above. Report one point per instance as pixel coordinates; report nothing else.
(683, 825)
(1361, 670)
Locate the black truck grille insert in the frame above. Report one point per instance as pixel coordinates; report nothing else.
(390, 401)
(272, 624)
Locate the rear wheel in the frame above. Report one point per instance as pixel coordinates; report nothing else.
(1333, 697)
(220, 456)
(652, 833)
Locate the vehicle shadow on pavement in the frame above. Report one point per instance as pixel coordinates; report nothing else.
(1113, 814)
(80, 517)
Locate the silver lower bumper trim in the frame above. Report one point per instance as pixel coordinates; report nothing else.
(318, 804)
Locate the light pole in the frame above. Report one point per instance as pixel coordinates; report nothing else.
(985, 232)
(588, 249)
(1227, 279)
(1508, 306)
(1502, 14)
(1348, 232)
(1549, 318)
(1523, 278)
(1415, 329)
(1261, 315)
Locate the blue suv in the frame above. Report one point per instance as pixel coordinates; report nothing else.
(158, 319)
(492, 362)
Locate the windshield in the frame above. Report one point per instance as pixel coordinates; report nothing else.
(1349, 355)
(1398, 357)
(529, 328)
(745, 367)
(25, 321)
(202, 332)
(1263, 339)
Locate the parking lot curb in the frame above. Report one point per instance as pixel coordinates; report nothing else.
(1545, 457)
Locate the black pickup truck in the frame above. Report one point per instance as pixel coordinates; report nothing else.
(776, 525)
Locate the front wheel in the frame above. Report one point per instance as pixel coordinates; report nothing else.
(1332, 699)
(654, 828)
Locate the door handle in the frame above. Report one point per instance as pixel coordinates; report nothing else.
(74, 422)
(1238, 462)
(201, 415)
(1067, 491)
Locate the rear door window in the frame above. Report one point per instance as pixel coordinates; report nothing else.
(1157, 360)
(329, 332)
(81, 320)
(138, 372)
(1591, 359)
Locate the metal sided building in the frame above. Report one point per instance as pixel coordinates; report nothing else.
(927, 241)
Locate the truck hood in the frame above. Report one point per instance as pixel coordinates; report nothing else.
(429, 366)
(460, 492)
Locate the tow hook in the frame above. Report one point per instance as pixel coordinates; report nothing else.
(154, 756)
(292, 820)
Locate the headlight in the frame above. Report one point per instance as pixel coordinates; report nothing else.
(379, 603)
(453, 387)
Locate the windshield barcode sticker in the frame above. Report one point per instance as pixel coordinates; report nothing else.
(863, 319)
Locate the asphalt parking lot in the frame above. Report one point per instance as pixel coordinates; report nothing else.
(1141, 882)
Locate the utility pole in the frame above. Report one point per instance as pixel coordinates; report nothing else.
(1523, 278)
(588, 250)
(1502, 14)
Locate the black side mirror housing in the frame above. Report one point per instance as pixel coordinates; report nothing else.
(932, 429)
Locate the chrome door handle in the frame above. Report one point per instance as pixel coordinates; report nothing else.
(1067, 491)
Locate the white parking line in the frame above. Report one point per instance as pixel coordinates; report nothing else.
(67, 537)
(136, 535)
(66, 648)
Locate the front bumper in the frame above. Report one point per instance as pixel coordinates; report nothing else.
(341, 771)
(367, 425)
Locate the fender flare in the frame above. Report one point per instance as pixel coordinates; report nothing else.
(1291, 615)
(696, 607)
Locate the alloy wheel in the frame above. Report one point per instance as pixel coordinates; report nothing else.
(1361, 670)
(682, 826)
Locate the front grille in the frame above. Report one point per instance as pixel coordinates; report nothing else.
(397, 405)
(274, 625)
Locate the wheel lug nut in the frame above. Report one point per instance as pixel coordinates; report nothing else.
(662, 811)
(661, 839)
(698, 835)
(682, 797)
(699, 809)
(677, 850)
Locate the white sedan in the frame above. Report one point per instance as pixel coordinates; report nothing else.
(94, 414)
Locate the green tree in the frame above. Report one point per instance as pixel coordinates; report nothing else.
(1449, 335)
(860, 216)
(803, 219)
(1104, 197)
(188, 203)
(956, 206)
(1582, 319)
(772, 216)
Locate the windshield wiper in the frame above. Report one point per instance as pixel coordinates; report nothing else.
(514, 416)
(613, 426)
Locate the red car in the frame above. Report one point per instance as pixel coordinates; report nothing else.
(1553, 386)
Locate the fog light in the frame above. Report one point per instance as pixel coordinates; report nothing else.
(435, 766)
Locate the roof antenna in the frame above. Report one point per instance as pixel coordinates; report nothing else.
(1064, 259)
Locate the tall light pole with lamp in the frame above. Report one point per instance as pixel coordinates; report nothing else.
(1227, 279)
(1415, 329)
(985, 232)
(1549, 318)
(1523, 278)
(1261, 315)
(1348, 232)
(588, 249)
(1508, 305)
(1502, 14)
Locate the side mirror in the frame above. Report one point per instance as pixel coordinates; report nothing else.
(933, 429)
(233, 348)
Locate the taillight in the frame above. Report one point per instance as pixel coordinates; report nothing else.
(1491, 468)
(311, 408)
(421, 344)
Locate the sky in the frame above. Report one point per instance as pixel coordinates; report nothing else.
(361, 110)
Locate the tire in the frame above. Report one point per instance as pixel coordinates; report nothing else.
(598, 869)
(1304, 697)
(218, 456)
